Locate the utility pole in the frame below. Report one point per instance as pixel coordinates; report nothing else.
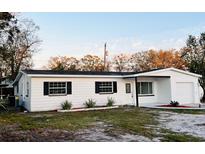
(105, 57)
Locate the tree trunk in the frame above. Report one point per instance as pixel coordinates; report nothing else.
(12, 67)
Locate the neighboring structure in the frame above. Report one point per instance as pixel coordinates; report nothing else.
(6, 88)
(44, 90)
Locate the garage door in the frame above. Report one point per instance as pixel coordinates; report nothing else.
(184, 92)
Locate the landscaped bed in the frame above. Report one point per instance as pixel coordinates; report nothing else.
(179, 106)
(122, 124)
(89, 109)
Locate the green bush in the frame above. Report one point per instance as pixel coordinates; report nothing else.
(174, 103)
(3, 104)
(66, 105)
(90, 103)
(110, 102)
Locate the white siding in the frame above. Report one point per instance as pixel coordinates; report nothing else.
(181, 77)
(24, 100)
(163, 90)
(82, 90)
(148, 99)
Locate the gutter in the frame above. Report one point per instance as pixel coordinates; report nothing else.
(61, 76)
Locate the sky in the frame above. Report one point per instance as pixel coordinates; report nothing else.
(78, 34)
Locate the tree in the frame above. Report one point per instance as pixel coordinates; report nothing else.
(153, 59)
(6, 19)
(166, 59)
(91, 63)
(121, 62)
(194, 55)
(63, 63)
(140, 61)
(18, 44)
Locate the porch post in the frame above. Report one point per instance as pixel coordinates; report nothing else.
(136, 91)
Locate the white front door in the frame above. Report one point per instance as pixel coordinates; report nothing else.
(130, 94)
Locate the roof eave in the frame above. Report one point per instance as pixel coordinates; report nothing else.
(17, 78)
(162, 70)
(67, 75)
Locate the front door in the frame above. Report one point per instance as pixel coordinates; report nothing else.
(129, 90)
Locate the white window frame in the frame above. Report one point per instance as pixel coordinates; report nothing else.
(126, 88)
(148, 94)
(57, 88)
(106, 87)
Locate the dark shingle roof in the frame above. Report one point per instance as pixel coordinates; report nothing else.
(52, 72)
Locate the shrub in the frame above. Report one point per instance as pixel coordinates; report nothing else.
(110, 102)
(90, 103)
(3, 104)
(127, 106)
(174, 103)
(66, 105)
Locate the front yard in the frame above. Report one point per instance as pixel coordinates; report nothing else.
(124, 124)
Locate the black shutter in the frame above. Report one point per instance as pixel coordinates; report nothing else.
(69, 87)
(114, 86)
(97, 90)
(45, 88)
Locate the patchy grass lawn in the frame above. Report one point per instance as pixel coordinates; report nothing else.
(127, 119)
(170, 136)
(52, 126)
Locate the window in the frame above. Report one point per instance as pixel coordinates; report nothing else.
(128, 87)
(106, 87)
(144, 88)
(57, 88)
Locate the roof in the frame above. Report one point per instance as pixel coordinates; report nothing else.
(158, 71)
(52, 72)
(6, 82)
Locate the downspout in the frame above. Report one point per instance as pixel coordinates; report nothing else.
(136, 91)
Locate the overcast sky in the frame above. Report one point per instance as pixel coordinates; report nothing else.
(78, 34)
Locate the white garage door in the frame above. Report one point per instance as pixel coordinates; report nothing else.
(184, 92)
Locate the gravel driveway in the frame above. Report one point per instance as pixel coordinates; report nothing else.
(192, 124)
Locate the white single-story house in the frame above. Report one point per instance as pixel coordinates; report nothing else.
(44, 90)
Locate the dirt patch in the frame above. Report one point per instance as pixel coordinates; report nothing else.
(98, 131)
(12, 133)
(103, 132)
